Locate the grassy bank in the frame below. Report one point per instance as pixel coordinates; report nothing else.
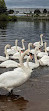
(4, 17)
(31, 18)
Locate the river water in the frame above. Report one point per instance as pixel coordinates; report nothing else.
(34, 94)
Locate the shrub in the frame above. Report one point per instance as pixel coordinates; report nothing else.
(3, 17)
(12, 18)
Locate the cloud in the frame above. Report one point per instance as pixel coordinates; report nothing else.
(27, 3)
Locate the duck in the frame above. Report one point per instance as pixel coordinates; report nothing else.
(15, 78)
(41, 42)
(2, 58)
(41, 54)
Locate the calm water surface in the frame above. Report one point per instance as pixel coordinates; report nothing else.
(34, 94)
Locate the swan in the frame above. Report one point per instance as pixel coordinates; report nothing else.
(47, 48)
(15, 78)
(37, 51)
(29, 45)
(44, 61)
(41, 54)
(17, 55)
(17, 47)
(12, 50)
(2, 58)
(41, 42)
(31, 64)
(9, 63)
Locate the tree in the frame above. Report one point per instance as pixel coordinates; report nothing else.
(11, 11)
(37, 11)
(45, 11)
(3, 7)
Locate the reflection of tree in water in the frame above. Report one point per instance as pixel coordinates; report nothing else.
(37, 26)
(13, 103)
(3, 25)
(44, 26)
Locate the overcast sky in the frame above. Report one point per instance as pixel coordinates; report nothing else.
(27, 3)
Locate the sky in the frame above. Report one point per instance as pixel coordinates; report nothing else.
(27, 3)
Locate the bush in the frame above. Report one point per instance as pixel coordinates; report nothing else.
(11, 11)
(36, 15)
(12, 18)
(3, 17)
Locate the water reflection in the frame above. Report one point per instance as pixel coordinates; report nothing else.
(3, 25)
(12, 103)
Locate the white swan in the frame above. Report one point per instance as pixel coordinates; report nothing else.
(17, 55)
(31, 64)
(41, 54)
(13, 49)
(41, 42)
(44, 61)
(37, 51)
(17, 47)
(29, 45)
(11, 79)
(47, 48)
(9, 63)
(2, 58)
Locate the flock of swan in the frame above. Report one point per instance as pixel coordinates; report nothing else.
(22, 70)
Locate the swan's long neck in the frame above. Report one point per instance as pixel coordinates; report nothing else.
(28, 62)
(23, 45)
(21, 60)
(7, 56)
(16, 42)
(41, 41)
(29, 45)
(45, 48)
(35, 57)
(26, 69)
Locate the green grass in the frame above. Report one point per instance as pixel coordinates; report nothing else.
(4, 17)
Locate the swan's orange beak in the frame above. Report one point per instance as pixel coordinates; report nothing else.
(22, 51)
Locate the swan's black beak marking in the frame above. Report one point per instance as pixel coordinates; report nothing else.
(31, 55)
(22, 51)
